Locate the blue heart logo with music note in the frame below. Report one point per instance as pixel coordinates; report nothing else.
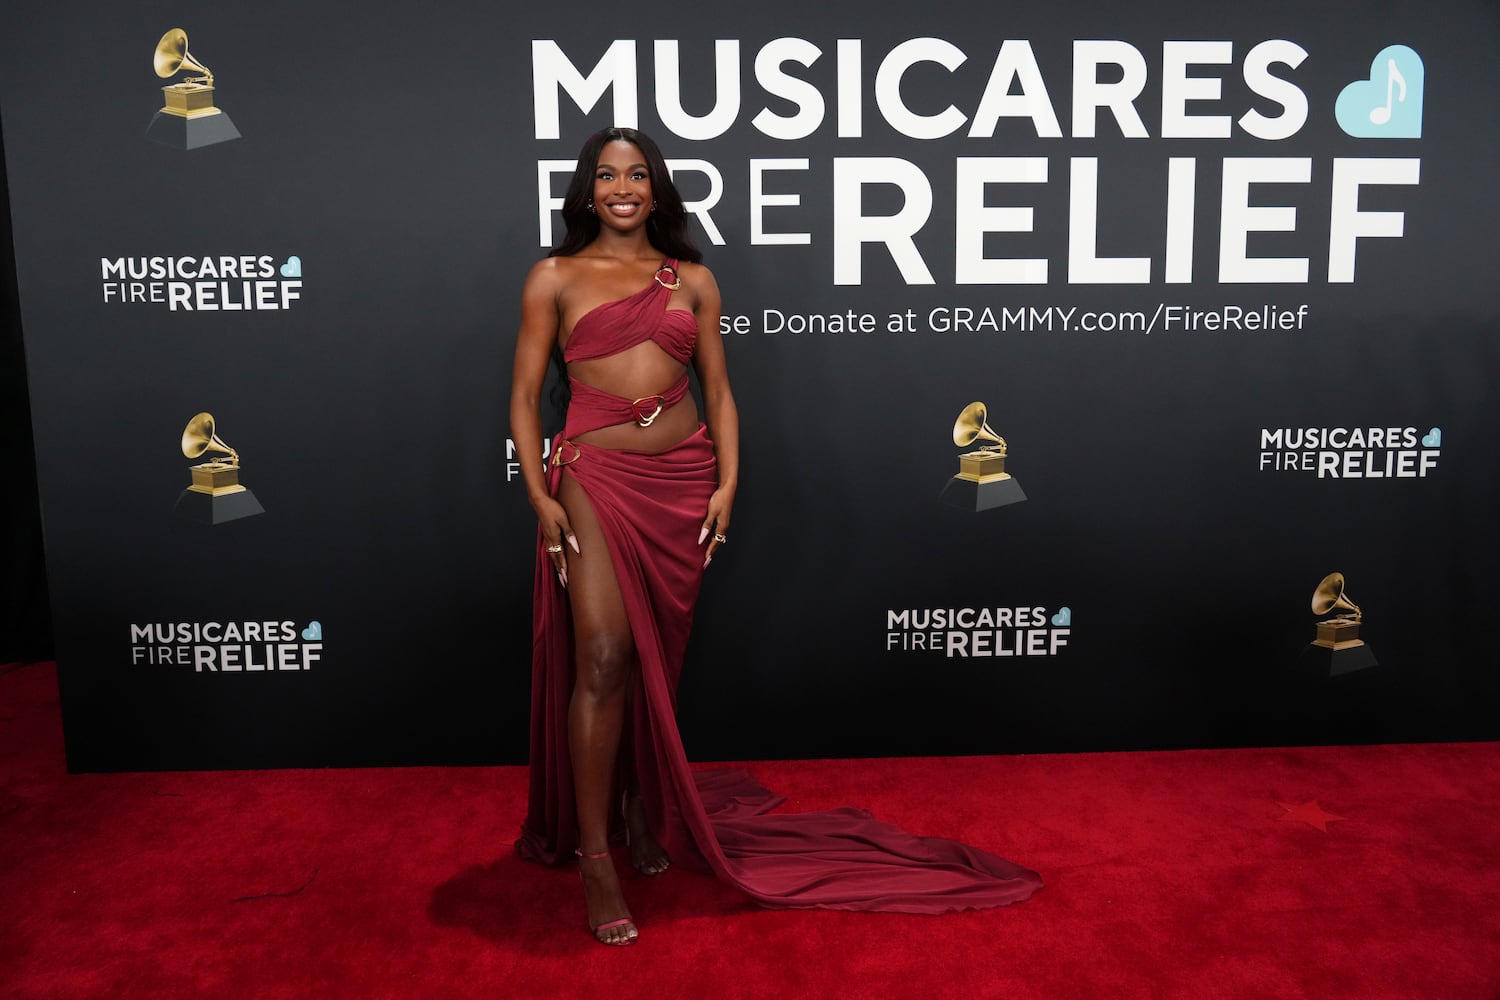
(1063, 618)
(292, 268)
(1433, 439)
(1389, 104)
(313, 632)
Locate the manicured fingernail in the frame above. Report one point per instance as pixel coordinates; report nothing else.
(706, 560)
(573, 541)
(702, 535)
(562, 579)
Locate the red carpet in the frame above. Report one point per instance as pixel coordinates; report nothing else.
(1319, 873)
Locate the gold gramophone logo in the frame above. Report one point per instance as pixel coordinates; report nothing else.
(1342, 630)
(981, 482)
(189, 118)
(1337, 637)
(216, 494)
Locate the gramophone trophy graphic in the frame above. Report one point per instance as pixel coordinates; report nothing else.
(216, 494)
(1337, 638)
(981, 482)
(188, 119)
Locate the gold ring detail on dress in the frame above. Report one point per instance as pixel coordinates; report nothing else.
(639, 408)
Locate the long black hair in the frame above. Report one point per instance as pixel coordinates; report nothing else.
(666, 226)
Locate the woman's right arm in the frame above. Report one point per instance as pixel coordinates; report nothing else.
(538, 335)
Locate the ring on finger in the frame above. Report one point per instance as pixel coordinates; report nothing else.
(721, 539)
(554, 549)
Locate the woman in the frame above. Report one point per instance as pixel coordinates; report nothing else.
(635, 502)
(627, 304)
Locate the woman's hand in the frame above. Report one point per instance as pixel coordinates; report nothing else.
(719, 414)
(555, 528)
(716, 524)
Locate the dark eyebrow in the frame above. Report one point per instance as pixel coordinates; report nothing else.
(611, 166)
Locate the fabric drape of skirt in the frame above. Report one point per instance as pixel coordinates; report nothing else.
(651, 508)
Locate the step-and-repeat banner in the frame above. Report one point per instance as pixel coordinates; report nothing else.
(1109, 378)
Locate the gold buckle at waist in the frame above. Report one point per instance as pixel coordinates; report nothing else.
(638, 408)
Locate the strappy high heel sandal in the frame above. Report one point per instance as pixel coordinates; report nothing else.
(625, 921)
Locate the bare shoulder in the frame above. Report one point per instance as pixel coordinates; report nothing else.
(548, 274)
(698, 279)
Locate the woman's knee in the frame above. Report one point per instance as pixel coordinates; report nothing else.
(604, 663)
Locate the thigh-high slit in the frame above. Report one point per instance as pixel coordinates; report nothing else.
(604, 655)
(650, 507)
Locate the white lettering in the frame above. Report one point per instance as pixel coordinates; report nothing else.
(760, 201)
(1257, 70)
(807, 98)
(1015, 63)
(1083, 211)
(726, 93)
(552, 71)
(975, 218)
(888, 88)
(1239, 218)
(852, 229)
(1177, 88)
(1348, 223)
(1089, 94)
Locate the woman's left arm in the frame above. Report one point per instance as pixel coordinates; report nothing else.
(718, 405)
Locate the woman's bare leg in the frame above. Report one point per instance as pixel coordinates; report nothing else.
(604, 651)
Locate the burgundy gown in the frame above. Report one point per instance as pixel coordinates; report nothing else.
(650, 506)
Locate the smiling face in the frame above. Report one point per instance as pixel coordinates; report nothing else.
(622, 186)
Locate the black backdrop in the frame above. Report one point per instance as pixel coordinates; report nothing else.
(394, 152)
(25, 630)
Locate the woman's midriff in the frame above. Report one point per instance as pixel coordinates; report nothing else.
(626, 374)
(671, 426)
(622, 374)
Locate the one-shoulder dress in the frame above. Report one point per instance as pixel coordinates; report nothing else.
(650, 506)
